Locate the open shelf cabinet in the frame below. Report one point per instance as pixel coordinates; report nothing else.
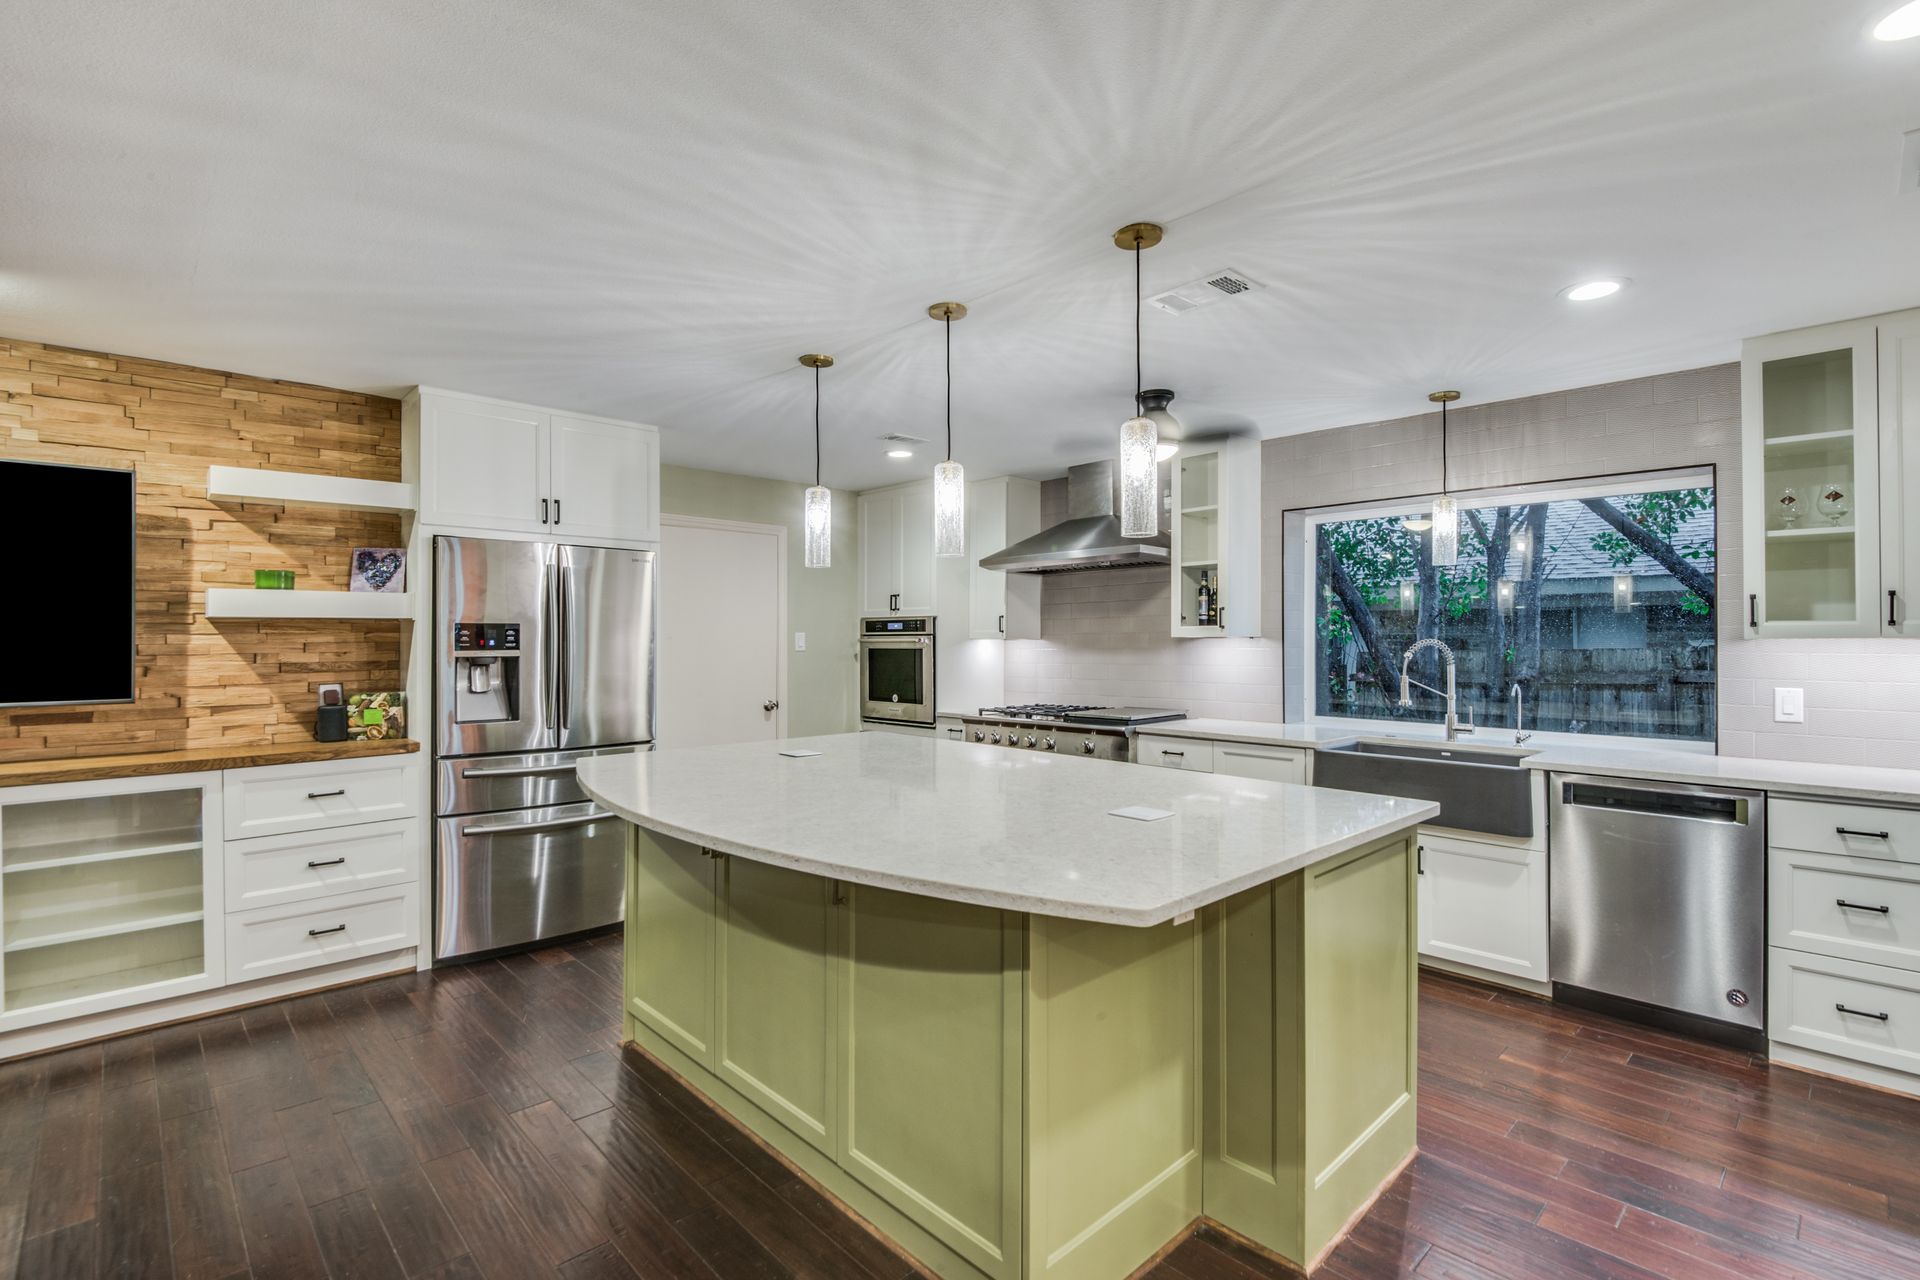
(110, 895)
(1214, 512)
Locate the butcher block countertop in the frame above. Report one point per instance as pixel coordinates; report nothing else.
(23, 773)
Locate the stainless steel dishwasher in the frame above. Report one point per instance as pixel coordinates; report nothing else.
(1659, 903)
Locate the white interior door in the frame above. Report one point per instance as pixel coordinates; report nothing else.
(722, 627)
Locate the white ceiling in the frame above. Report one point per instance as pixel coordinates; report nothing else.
(649, 210)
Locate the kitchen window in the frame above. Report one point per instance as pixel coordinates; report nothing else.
(1599, 601)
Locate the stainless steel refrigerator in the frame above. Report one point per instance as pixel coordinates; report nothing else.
(543, 654)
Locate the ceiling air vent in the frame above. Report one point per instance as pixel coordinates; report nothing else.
(1215, 286)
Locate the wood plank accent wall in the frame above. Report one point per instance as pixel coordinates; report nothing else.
(197, 683)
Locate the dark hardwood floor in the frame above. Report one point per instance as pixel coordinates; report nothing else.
(481, 1121)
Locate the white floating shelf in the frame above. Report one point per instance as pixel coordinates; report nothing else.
(247, 602)
(1814, 533)
(250, 484)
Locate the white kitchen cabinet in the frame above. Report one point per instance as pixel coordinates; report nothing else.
(896, 549)
(495, 467)
(1833, 415)
(1900, 473)
(1843, 934)
(110, 895)
(1483, 904)
(1258, 760)
(1215, 515)
(1001, 605)
(1165, 751)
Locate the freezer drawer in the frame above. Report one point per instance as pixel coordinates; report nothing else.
(493, 784)
(507, 879)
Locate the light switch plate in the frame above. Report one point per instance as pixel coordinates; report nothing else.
(799, 642)
(1790, 706)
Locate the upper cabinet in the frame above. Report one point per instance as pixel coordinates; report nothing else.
(1215, 513)
(896, 549)
(1829, 429)
(1000, 605)
(496, 467)
(1900, 471)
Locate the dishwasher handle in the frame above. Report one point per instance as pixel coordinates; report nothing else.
(1696, 804)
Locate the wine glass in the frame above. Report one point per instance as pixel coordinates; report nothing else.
(1789, 503)
(1833, 503)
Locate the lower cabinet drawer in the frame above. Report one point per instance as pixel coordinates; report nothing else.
(271, 940)
(272, 799)
(1856, 908)
(270, 871)
(1195, 754)
(1257, 760)
(1866, 1012)
(1864, 831)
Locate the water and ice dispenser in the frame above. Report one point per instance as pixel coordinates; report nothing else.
(486, 665)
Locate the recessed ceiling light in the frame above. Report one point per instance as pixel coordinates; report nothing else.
(1592, 290)
(1902, 24)
(899, 453)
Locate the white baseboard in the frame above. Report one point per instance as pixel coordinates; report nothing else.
(1488, 976)
(1825, 1064)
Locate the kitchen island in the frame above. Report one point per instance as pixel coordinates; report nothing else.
(1023, 1036)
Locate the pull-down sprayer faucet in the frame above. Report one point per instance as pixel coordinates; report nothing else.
(1407, 684)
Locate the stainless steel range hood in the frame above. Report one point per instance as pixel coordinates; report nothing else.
(1089, 538)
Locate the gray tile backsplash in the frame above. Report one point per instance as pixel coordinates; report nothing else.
(1105, 633)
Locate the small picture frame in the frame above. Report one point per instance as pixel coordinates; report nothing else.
(332, 695)
(382, 569)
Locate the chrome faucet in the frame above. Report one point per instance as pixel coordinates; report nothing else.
(1519, 714)
(1407, 683)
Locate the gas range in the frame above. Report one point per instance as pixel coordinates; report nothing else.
(1063, 727)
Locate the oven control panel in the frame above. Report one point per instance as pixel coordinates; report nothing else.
(896, 626)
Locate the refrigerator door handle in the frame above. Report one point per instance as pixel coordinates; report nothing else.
(563, 597)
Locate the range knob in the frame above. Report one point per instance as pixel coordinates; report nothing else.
(1029, 739)
(996, 739)
(979, 735)
(1086, 746)
(1046, 744)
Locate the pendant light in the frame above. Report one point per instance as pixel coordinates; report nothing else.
(1446, 512)
(949, 478)
(819, 500)
(1139, 435)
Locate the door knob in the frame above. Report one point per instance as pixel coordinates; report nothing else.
(769, 705)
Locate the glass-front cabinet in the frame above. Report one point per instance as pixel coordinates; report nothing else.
(1811, 444)
(1214, 511)
(110, 895)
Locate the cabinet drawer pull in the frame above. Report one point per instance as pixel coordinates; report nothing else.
(1165, 752)
(315, 933)
(543, 511)
(323, 795)
(1862, 1013)
(1420, 859)
(1861, 906)
(556, 513)
(1753, 610)
(334, 862)
(1890, 618)
(1870, 835)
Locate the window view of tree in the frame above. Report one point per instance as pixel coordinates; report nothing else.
(1600, 609)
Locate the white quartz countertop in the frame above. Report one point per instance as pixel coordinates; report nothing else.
(1787, 777)
(1016, 830)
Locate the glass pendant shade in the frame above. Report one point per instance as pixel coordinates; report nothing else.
(949, 509)
(1623, 593)
(1446, 531)
(819, 527)
(1139, 479)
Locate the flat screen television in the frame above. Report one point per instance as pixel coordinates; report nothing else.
(66, 541)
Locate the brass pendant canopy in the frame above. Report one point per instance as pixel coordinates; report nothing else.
(948, 311)
(1138, 235)
(817, 362)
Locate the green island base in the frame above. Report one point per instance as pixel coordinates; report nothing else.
(1010, 1095)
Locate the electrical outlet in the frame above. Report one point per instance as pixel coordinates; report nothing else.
(1790, 706)
(799, 642)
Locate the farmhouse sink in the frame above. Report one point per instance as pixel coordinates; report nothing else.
(1485, 791)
